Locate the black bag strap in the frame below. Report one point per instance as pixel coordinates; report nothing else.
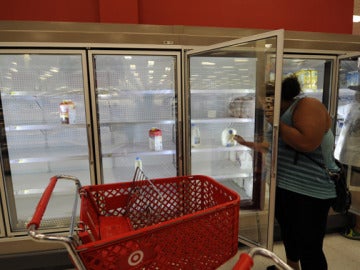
(312, 159)
(316, 162)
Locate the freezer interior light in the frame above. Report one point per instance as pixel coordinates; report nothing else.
(208, 63)
(241, 60)
(15, 93)
(27, 57)
(356, 18)
(54, 69)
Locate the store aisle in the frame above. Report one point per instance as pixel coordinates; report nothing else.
(341, 253)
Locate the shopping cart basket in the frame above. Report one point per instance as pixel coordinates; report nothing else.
(188, 222)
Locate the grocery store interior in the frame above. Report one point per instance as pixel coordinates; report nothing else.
(117, 124)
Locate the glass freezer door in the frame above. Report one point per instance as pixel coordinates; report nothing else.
(229, 86)
(43, 132)
(347, 138)
(135, 100)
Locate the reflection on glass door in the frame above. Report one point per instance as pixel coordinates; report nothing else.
(136, 113)
(43, 131)
(315, 74)
(228, 86)
(348, 124)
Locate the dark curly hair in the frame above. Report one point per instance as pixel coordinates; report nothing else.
(290, 87)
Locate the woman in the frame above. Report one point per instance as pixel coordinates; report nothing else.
(304, 191)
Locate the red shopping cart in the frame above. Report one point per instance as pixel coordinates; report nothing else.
(188, 222)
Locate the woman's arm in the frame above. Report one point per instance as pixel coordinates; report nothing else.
(257, 146)
(310, 122)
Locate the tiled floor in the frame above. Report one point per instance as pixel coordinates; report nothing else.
(341, 254)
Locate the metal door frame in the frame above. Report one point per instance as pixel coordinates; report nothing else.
(339, 58)
(3, 189)
(279, 34)
(178, 92)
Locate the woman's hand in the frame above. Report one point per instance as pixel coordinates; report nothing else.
(239, 139)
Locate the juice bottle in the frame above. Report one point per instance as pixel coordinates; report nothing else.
(155, 139)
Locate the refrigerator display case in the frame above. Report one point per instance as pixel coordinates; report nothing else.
(136, 96)
(225, 86)
(53, 123)
(227, 89)
(44, 131)
(347, 149)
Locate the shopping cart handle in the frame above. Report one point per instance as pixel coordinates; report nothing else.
(44, 201)
(34, 223)
(245, 262)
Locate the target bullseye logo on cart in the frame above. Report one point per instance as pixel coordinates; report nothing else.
(135, 258)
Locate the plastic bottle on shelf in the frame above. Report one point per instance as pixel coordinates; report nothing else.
(227, 137)
(138, 163)
(195, 135)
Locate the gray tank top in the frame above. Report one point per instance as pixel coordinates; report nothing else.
(297, 173)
